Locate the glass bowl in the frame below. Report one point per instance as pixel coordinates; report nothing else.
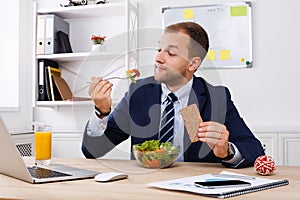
(159, 158)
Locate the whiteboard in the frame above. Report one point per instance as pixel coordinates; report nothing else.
(229, 29)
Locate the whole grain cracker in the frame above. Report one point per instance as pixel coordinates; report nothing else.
(191, 118)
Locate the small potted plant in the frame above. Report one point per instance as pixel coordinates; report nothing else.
(97, 41)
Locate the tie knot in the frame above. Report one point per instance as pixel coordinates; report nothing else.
(172, 97)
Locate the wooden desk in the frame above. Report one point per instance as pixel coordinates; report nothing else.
(135, 186)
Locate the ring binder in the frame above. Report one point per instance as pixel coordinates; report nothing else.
(54, 24)
(43, 79)
(40, 34)
(64, 45)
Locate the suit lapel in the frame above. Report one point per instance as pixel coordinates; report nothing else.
(153, 94)
(197, 94)
(153, 100)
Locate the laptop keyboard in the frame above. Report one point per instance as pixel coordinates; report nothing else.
(38, 172)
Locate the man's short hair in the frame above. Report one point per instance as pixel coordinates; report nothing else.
(199, 42)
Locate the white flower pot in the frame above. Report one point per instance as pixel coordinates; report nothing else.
(98, 47)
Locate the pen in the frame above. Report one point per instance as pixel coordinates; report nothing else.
(234, 176)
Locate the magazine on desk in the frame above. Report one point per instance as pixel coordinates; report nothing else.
(187, 184)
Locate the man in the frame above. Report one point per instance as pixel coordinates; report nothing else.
(223, 135)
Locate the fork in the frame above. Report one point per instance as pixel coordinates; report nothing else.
(114, 77)
(117, 77)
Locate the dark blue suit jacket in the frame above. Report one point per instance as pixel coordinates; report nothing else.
(138, 116)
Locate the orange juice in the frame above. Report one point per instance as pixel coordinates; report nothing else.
(42, 142)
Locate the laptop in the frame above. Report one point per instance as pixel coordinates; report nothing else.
(13, 165)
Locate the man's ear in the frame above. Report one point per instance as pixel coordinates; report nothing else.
(195, 63)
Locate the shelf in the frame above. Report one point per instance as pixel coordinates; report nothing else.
(70, 103)
(63, 103)
(87, 11)
(77, 57)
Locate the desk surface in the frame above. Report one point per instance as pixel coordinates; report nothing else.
(135, 186)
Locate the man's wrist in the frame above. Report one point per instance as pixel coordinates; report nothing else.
(230, 152)
(101, 114)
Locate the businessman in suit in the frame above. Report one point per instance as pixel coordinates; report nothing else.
(223, 136)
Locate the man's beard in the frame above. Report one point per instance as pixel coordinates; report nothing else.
(169, 78)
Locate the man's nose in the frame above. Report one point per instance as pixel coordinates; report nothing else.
(159, 57)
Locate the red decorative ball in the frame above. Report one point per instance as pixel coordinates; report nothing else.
(264, 165)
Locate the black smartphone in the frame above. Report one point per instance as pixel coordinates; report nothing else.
(221, 183)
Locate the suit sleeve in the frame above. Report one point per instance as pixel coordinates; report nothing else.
(239, 134)
(118, 130)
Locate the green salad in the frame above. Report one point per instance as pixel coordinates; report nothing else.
(156, 154)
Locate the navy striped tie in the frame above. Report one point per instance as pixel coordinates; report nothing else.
(166, 132)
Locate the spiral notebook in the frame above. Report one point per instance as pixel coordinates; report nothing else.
(187, 185)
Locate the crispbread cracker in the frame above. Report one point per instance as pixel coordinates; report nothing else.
(191, 118)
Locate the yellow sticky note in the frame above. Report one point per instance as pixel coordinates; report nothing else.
(236, 11)
(225, 54)
(188, 14)
(211, 55)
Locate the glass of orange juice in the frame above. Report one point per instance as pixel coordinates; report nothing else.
(42, 145)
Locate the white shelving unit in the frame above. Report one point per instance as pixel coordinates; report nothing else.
(118, 21)
(84, 21)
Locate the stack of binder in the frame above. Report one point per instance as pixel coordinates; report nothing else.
(45, 84)
(51, 85)
(52, 35)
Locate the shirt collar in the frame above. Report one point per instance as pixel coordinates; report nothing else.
(181, 93)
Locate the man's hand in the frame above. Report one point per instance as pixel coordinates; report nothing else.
(100, 92)
(216, 136)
